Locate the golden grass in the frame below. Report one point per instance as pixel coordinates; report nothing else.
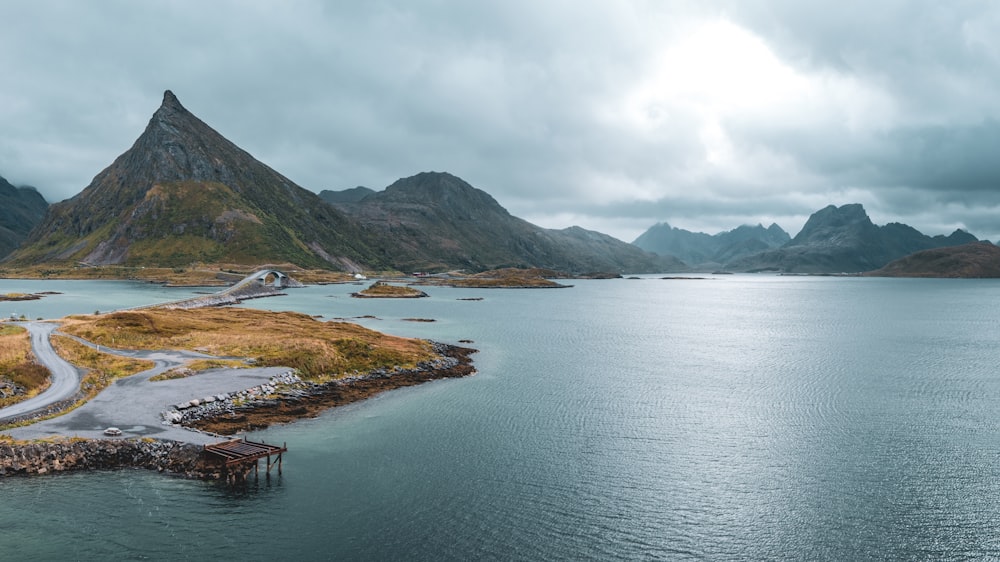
(507, 278)
(194, 367)
(102, 368)
(195, 274)
(385, 290)
(319, 350)
(18, 366)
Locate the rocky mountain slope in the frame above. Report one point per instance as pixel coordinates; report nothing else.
(844, 239)
(703, 251)
(974, 260)
(21, 209)
(184, 193)
(438, 221)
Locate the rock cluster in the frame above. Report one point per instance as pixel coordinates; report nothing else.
(48, 410)
(98, 454)
(287, 397)
(219, 404)
(8, 389)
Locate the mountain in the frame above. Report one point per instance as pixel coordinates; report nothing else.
(352, 195)
(184, 193)
(21, 209)
(438, 221)
(844, 239)
(973, 260)
(703, 250)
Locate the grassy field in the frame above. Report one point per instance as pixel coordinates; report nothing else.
(102, 368)
(17, 364)
(319, 350)
(507, 278)
(201, 275)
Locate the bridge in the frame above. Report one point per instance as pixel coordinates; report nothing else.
(259, 284)
(281, 280)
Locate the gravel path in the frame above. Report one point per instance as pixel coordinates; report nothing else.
(65, 377)
(132, 404)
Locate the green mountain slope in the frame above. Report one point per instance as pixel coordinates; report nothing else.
(437, 221)
(21, 209)
(183, 193)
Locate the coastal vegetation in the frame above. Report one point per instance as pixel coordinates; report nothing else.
(319, 350)
(100, 369)
(508, 278)
(20, 376)
(13, 297)
(191, 275)
(194, 367)
(381, 290)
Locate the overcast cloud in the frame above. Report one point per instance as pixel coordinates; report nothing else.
(608, 115)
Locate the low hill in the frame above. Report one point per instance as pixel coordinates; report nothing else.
(437, 222)
(21, 209)
(975, 260)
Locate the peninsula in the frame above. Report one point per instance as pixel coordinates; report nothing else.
(211, 372)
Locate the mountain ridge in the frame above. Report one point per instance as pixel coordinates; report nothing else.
(260, 216)
(21, 209)
(699, 249)
(844, 240)
(439, 221)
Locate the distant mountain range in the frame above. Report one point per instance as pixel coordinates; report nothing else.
(438, 221)
(21, 209)
(704, 251)
(833, 240)
(183, 193)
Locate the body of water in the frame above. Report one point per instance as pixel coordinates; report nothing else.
(743, 417)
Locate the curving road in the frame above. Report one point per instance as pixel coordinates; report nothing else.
(132, 403)
(65, 377)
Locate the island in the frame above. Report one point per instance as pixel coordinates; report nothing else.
(506, 278)
(383, 290)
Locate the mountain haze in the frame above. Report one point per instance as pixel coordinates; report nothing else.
(184, 193)
(703, 250)
(21, 209)
(844, 239)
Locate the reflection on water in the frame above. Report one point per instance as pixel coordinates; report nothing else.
(741, 418)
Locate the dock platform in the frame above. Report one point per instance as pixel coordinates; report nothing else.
(238, 456)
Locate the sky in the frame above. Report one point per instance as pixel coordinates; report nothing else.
(610, 115)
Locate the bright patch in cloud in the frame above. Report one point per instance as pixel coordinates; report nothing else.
(717, 69)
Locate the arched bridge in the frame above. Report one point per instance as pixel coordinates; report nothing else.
(263, 283)
(280, 280)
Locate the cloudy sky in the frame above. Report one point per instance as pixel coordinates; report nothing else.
(611, 115)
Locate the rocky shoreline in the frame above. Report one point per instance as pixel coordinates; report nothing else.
(287, 400)
(105, 454)
(283, 399)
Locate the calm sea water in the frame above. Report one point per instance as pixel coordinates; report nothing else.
(745, 417)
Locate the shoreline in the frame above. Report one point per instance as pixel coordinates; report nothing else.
(308, 400)
(299, 401)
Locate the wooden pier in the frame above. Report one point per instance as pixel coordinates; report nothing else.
(238, 456)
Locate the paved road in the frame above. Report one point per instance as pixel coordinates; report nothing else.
(65, 377)
(133, 404)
